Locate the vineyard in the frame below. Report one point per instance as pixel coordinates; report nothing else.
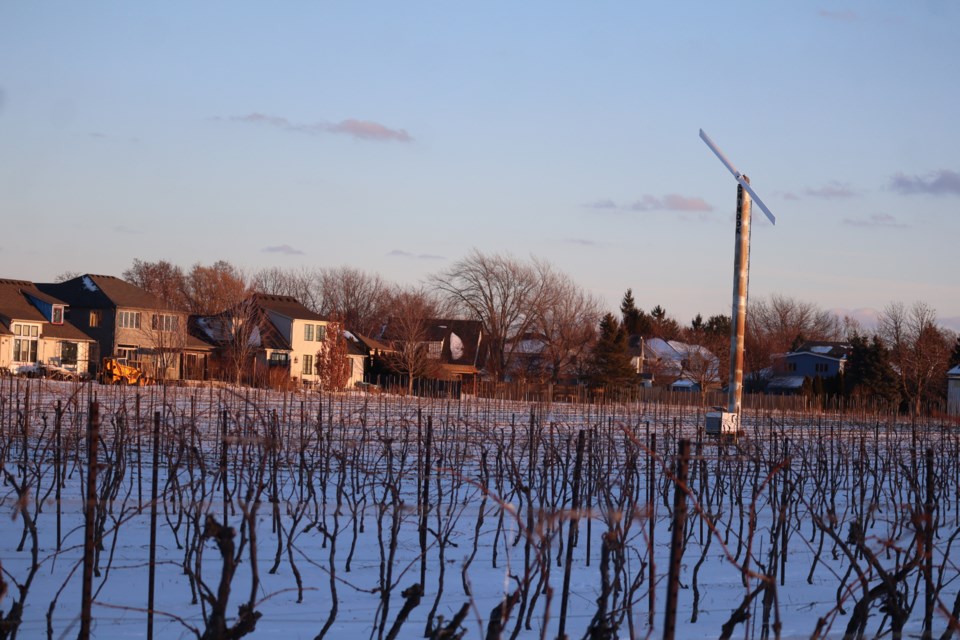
(212, 512)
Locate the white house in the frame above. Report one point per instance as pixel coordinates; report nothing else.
(35, 335)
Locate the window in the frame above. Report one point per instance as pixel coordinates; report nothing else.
(129, 353)
(128, 319)
(434, 350)
(308, 365)
(279, 359)
(95, 317)
(164, 322)
(791, 366)
(314, 332)
(68, 353)
(25, 344)
(820, 367)
(57, 316)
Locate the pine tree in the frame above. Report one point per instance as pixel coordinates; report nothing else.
(634, 321)
(955, 355)
(610, 363)
(868, 371)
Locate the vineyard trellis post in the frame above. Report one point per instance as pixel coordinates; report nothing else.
(93, 438)
(676, 540)
(154, 481)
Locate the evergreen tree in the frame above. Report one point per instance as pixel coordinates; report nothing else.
(663, 326)
(955, 355)
(610, 363)
(868, 371)
(635, 321)
(718, 325)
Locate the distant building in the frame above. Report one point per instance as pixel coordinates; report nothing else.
(266, 339)
(811, 360)
(35, 335)
(131, 323)
(953, 391)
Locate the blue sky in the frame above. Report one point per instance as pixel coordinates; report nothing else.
(395, 137)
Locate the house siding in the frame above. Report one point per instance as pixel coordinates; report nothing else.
(953, 392)
(806, 365)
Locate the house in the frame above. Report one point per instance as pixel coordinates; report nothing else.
(129, 322)
(452, 351)
(361, 351)
(809, 361)
(35, 335)
(953, 391)
(684, 366)
(458, 347)
(270, 338)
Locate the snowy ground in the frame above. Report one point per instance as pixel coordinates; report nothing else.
(803, 481)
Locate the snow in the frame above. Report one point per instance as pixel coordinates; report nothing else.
(456, 346)
(371, 437)
(821, 349)
(89, 284)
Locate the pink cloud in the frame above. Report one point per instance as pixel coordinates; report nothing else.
(361, 129)
(369, 130)
(670, 202)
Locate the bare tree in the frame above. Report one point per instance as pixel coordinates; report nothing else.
(700, 366)
(303, 284)
(775, 323)
(408, 330)
(238, 331)
(166, 335)
(63, 276)
(566, 322)
(210, 290)
(502, 293)
(919, 350)
(161, 278)
(355, 296)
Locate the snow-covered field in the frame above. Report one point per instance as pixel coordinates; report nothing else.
(342, 503)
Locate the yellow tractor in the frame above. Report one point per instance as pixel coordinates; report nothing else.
(119, 371)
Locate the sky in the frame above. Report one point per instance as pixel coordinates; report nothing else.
(397, 137)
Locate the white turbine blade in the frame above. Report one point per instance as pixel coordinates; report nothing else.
(723, 158)
(753, 196)
(738, 176)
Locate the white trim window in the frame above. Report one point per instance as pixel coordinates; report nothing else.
(128, 319)
(25, 342)
(165, 322)
(314, 332)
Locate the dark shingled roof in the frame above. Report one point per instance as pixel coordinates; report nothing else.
(106, 292)
(15, 305)
(287, 306)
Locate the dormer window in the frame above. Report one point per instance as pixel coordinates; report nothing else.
(56, 316)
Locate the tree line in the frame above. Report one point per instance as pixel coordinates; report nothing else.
(539, 325)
